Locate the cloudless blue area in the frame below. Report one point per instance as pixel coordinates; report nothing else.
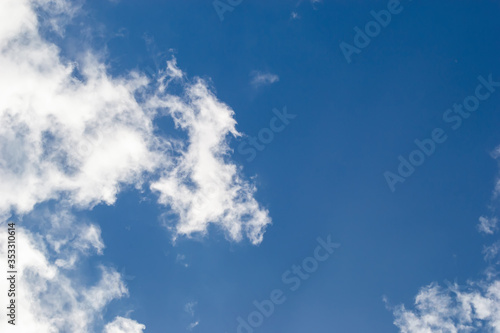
(323, 175)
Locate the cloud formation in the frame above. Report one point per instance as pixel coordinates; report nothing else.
(73, 135)
(487, 225)
(61, 136)
(51, 299)
(202, 186)
(453, 309)
(124, 325)
(258, 78)
(84, 140)
(189, 309)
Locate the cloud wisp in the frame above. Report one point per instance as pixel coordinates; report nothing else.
(258, 78)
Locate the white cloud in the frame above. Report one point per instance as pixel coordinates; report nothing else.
(487, 225)
(49, 300)
(60, 135)
(171, 73)
(65, 231)
(193, 325)
(124, 325)
(490, 252)
(260, 78)
(202, 186)
(67, 237)
(454, 309)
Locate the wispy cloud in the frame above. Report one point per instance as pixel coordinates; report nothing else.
(193, 325)
(487, 225)
(258, 78)
(181, 259)
(189, 308)
(490, 252)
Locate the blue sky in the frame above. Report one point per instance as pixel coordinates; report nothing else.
(190, 227)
